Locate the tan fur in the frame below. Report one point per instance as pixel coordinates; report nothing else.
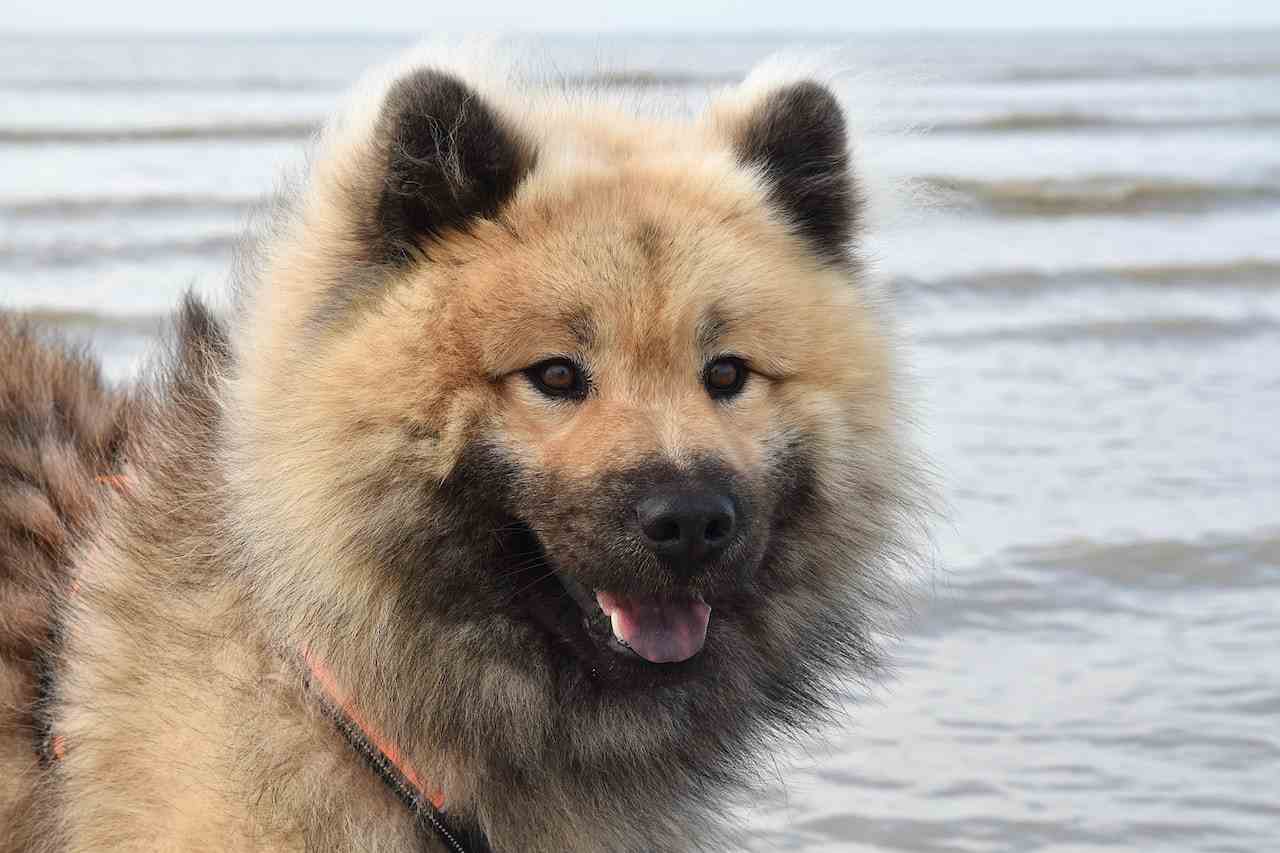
(263, 465)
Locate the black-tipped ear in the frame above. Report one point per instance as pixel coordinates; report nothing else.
(449, 159)
(796, 136)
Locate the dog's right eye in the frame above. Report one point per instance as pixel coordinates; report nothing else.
(559, 378)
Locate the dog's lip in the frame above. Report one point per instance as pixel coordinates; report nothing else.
(583, 597)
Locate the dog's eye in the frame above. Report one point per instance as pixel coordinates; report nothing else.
(725, 376)
(558, 377)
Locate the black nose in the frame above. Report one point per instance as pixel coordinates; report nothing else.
(686, 526)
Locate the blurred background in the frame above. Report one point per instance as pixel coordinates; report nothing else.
(1091, 300)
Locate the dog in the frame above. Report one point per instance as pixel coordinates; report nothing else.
(549, 466)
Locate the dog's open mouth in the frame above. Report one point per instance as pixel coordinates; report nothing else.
(658, 629)
(646, 628)
(666, 628)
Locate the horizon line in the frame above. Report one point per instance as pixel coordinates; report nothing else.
(1261, 27)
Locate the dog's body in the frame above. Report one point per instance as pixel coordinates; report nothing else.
(567, 440)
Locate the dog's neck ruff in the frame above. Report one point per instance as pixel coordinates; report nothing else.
(424, 801)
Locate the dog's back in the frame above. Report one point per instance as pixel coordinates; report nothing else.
(61, 430)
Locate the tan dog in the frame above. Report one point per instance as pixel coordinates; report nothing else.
(548, 469)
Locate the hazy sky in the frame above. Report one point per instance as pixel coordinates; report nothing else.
(402, 16)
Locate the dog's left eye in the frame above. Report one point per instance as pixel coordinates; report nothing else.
(559, 378)
(725, 376)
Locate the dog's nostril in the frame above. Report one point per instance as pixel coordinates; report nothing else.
(666, 530)
(716, 530)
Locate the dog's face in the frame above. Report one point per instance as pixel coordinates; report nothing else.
(658, 371)
(596, 407)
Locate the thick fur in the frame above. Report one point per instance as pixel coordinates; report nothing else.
(61, 428)
(357, 465)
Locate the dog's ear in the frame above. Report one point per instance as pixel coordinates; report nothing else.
(446, 158)
(795, 136)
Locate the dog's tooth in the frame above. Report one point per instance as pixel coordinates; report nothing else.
(614, 618)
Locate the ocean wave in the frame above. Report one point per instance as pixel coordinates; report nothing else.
(159, 133)
(1086, 73)
(301, 129)
(624, 78)
(1243, 273)
(171, 84)
(91, 207)
(1096, 194)
(1215, 561)
(1168, 328)
(1028, 122)
(77, 318)
(1040, 583)
(65, 254)
(629, 77)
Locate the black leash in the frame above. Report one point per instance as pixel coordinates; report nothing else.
(427, 816)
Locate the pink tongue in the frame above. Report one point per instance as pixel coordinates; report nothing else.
(660, 630)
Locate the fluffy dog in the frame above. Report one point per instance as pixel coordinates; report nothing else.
(548, 468)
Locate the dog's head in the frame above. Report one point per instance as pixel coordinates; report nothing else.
(585, 417)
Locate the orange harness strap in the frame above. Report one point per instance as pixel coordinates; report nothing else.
(425, 802)
(321, 678)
